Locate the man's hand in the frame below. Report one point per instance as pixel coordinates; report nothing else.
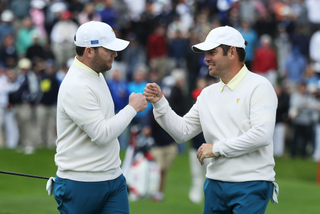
(138, 102)
(152, 92)
(204, 151)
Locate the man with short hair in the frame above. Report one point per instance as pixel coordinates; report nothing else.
(237, 118)
(89, 178)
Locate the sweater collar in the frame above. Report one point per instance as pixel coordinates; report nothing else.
(235, 81)
(79, 64)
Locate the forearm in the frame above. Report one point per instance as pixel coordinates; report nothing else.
(257, 137)
(110, 129)
(180, 128)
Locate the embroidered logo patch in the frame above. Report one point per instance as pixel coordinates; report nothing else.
(94, 42)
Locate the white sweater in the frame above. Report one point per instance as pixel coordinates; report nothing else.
(239, 123)
(87, 128)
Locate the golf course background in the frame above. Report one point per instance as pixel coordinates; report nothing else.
(299, 192)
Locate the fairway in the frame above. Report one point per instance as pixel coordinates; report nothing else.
(299, 192)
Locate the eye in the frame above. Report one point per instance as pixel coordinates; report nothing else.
(211, 52)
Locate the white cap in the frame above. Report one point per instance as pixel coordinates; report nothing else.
(24, 63)
(97, 34)
(221, 36)
(39, 4)
(7, 16)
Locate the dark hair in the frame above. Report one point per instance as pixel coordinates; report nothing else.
(80, 50)
(240, 51)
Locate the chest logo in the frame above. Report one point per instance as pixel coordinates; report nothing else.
(238, 99)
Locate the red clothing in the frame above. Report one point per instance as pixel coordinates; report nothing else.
(195, 93)
(264, 59)
(156, 46)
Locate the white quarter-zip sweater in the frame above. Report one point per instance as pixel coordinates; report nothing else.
(87, 127)
(238, 119)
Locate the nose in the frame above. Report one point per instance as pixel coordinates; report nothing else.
(206, 58)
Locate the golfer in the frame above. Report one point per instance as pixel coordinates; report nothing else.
(237, 118)
(89, 178)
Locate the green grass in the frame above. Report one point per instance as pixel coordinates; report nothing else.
(299, 192)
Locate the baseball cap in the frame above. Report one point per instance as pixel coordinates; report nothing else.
(7, 16)
(96, 34)
(220, 36)
(24, 63)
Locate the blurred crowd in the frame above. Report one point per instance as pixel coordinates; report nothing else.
(36, 50)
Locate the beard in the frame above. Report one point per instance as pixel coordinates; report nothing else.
(99, 65)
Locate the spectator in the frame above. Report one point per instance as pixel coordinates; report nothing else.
(265, 59)
(8, 52)
(8, 124)
(164, 151)
(194, 61)
(143, 25)
(20, 9)
(157, 50)
(88, 13)
(47, 107)
(6, 24)
(109, 14)
(265, 22)
(166, 15)
(61, 73)
(301, 39)
(251, 37)
(133, 56)
(177, 26)
(118, 87)
(178, 46)
(137, 85)
(25, 36)
(283, 47)
(178, 99)
(183, 9)
(75, 7)
(53, 11)
(282, 120)
(137, 8)
(202, 26)
(61, 36)
(24, 100)
(38, 17)
(295, 66)
(301, 112)
(36, 52)
(248, 11)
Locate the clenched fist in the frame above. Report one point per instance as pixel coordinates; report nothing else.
(138, 102)
(152, 92)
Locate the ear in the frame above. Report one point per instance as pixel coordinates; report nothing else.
(232, 52)
(89, 52)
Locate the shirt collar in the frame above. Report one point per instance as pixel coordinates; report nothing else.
(79, 64)
(234, 82)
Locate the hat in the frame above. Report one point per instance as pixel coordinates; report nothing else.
(96, 34)
(24, 63)
(38, 4)
(7, 16)
(220, 36)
